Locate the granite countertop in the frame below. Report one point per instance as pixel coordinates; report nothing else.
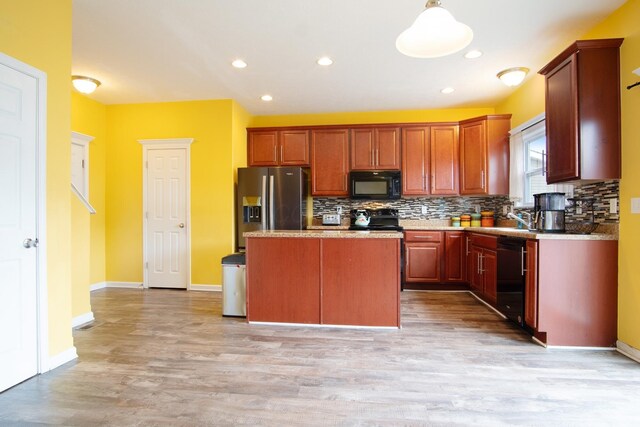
(326, 233)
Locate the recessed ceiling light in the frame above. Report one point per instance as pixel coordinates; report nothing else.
(447, 90)
(239, 63)
(266, 98)
(325, 60)
(473, 54)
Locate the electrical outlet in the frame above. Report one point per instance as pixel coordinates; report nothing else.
(635, 205)
(505, 210)
(613, 206)
(339, 210)
(477, 208)
(578, 210)
(424, 210)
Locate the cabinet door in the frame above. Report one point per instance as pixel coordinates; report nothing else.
(444, 160)
(263, 148)
(294, 148)
(329, 162)
(362, 149)
(475, 276)
(562, 122)
(422, 263)
(531, 286)
(415, 161)
(473, 158)
(387, 154)
(490, 275)
(454, 256)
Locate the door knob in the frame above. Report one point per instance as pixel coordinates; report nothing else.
(181, 225)
(30, 243)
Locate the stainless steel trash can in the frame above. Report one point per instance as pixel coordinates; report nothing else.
(234, 288)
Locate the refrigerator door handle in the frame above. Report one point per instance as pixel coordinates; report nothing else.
(271, 213)
(263, 203)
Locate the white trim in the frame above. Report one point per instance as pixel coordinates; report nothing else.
(540, 117)
(83, 140)
(61, 358)
(165, 144)
(82, 319)
(316, 325)
(581, 348)
(206, 288)
(84, 201)
(41, 208)
(631, 352)
(126, 285)
(96, 286)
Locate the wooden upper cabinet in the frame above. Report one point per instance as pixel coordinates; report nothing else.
(329, 162)
(415, 160)
(375, 149)
(444, 160)
(484, 155)
(278, 148)
(582, 89)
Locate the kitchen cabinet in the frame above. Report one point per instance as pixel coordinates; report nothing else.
(415, 160)
(375, 148)
(454, 256)
(329, 162)
(484, 155)
(484, 274)
(278, 147)
(423, 256)
(444, 159)
(531, 285)
(582, 91)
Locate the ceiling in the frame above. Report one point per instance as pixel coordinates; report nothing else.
(174, 50)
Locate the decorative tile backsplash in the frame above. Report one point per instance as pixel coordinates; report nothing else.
(446, 207)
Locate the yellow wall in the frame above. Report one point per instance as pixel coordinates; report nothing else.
(80, 257)
(529, 101)
(38, 32)
(212, 190)
(397, 116)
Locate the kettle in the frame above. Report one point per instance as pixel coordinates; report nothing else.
(362, 218)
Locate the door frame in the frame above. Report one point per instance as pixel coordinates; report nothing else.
(42, 299)
(168, 144)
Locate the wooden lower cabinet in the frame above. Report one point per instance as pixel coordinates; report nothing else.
(531, 286)
(454, 256)
(483, 278)
(335, 281)
(423, 257)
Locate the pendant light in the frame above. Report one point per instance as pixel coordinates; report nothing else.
(84, 84)
(434, 33)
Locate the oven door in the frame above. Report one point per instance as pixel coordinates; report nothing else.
(511, 279)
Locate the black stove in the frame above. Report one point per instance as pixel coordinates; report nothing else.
(379, 219)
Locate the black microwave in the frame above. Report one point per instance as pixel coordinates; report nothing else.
(375, 185)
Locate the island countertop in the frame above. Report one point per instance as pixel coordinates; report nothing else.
(324, 234)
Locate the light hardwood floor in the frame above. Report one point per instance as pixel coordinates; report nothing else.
(162, 357)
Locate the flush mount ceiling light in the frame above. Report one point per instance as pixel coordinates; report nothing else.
(447, 90)
(513, 76)
(434, 33)
(239, 63)
(325, 60)
(473, 54)
(84, 84)
(266, 98)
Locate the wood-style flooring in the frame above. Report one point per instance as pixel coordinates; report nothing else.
(163, 357)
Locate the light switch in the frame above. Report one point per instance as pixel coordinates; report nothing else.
(339, 210)
(635, 205)
(424, 210)
(613, 206)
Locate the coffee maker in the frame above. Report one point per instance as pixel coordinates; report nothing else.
(548, 211)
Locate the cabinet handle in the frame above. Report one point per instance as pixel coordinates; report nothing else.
(373, 157)
(467, 242)
(482, 179)
(523, 252)
(433, 180)
(478, 264)
(481, 263)
(378, 157)
(423, 237)
(544, 165)
(281, 154)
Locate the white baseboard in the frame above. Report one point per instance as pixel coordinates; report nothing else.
(96, 286)
(61, 358)
(127, 285)
(82, 319)
(627, 350)
(209, 288)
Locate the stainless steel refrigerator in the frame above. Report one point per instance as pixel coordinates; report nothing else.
(271, 199)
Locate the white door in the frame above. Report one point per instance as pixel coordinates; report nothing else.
(18, 287)
(167, 251)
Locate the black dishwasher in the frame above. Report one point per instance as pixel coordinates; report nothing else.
(511, 279)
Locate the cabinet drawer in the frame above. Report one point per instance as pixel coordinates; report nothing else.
(484, 241)
(423, 236)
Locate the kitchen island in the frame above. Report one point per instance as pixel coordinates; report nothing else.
(324, 277)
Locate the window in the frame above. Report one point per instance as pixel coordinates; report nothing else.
(528, 162)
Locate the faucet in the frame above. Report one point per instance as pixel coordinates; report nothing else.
(527, 223)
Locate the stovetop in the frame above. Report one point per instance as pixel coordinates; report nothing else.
(379, 219)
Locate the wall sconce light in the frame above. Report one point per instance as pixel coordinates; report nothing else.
(84, 84)
(513, 76)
